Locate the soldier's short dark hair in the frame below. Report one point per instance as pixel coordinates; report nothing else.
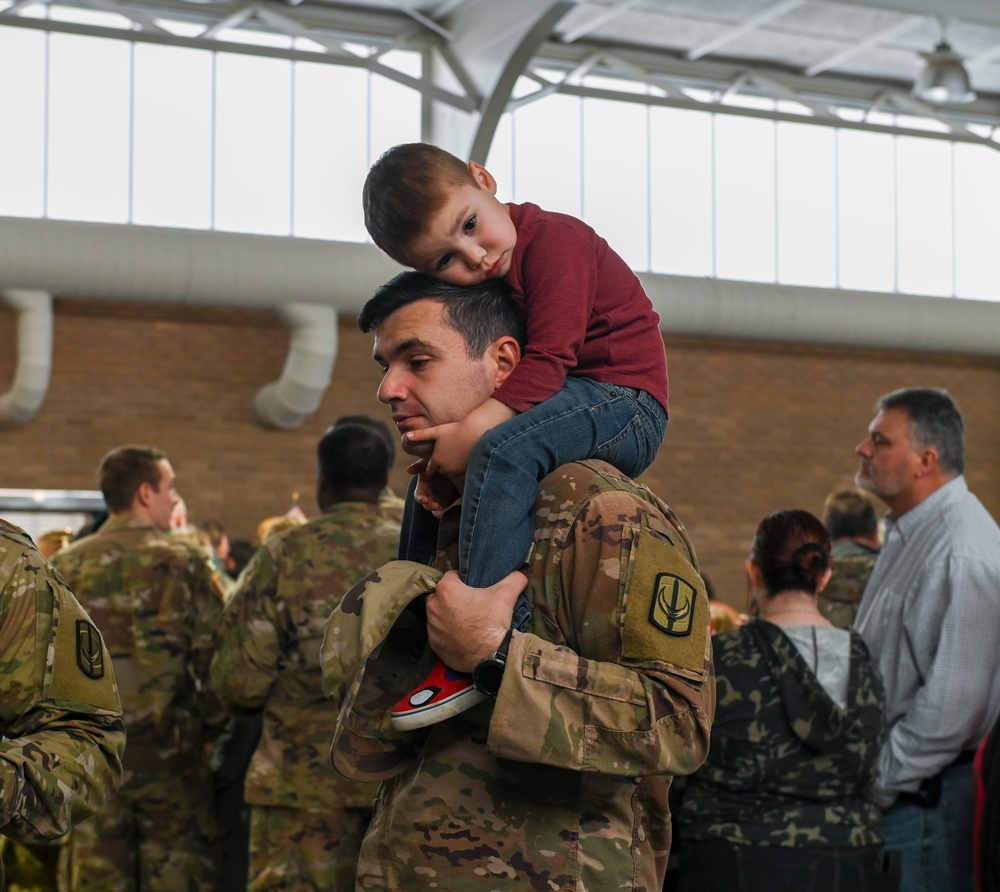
(353, 457)
(849, 514)
(123, 470)
(377, 425)
(404, 189)
(792, 549)
(479, 313)
(934, 421)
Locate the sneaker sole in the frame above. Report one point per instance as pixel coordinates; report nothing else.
(432, 713)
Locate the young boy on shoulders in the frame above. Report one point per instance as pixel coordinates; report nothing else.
(592, 382)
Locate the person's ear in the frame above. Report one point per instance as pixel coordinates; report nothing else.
(754, 576)
(483, 177)
(144, 494)
(824, 579)
(928, 461)
(507, 353)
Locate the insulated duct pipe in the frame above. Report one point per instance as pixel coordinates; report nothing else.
(34, 356)
(802, 315)
(227, 269)
(208, 268)
(287, 402)
(154, 263)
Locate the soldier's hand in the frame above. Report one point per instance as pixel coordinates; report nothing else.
(465, 625)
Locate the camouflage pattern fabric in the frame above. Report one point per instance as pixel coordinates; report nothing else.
(157, 600)
(391, 504)
(267, 658)
(324, 853)
(786, 767)
(156, 835)
(852, 565)
(561, 782)
(61, 731)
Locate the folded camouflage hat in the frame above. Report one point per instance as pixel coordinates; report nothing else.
(374, 651)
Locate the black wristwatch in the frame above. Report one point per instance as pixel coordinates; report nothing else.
(489, 673)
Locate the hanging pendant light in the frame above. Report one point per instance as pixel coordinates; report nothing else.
(943, 79)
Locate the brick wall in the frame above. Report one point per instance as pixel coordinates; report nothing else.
(754, 426)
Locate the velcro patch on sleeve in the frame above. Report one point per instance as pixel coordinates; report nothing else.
(81, 671)
(666, 605)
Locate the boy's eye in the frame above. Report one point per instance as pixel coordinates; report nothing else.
(470, 224)
(444, 261)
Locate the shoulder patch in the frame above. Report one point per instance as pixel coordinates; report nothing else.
(674, 603)
(666, 607)
(89, 649)
(79, 674)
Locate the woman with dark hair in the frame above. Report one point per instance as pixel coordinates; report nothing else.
(782, 801)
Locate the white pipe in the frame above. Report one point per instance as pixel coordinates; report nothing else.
(228, 269)
(287, 402)
(156, 263)
(34, 355)
(210, 268)
(801, 315)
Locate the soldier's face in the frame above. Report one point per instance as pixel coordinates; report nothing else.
(889, 463)
(428, 377)
(164, 498)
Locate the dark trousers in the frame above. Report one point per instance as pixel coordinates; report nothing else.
(727, 867)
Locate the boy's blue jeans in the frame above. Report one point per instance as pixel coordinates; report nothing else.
(586, 419)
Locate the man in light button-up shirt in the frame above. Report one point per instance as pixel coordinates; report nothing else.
(931, 618)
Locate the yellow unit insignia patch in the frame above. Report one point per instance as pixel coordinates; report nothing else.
(673, 605)
(666, 606)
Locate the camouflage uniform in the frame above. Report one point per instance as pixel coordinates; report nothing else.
(157, 599)
(391, 504)
(306, 821)
(61, 731)
(786, 767)
(852, 565)
(561, 782)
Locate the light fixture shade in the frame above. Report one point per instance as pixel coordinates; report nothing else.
(943, 78)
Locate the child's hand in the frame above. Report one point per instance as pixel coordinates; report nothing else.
(454, 441)
(433, 492)
(453, 444)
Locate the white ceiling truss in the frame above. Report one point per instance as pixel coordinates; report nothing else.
(697, 78)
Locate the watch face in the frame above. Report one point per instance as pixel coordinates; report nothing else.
(488, 675)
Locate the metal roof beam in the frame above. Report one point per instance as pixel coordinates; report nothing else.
(860, 46)
(768, 14)
(600, 18)
(422, 20)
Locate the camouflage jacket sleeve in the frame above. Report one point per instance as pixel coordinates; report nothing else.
(248, 641)
(60, 716)
(208, 594)
(615, 675)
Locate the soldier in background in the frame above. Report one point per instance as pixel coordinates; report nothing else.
(306, 821)
(559, 777)
(388, 500)
(158, 599)
(61, 731)
(849, 515)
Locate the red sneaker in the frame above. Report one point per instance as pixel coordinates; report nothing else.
(444, 693)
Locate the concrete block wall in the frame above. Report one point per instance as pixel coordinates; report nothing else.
(754, 426)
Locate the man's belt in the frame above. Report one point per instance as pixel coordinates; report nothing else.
(928, 794)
